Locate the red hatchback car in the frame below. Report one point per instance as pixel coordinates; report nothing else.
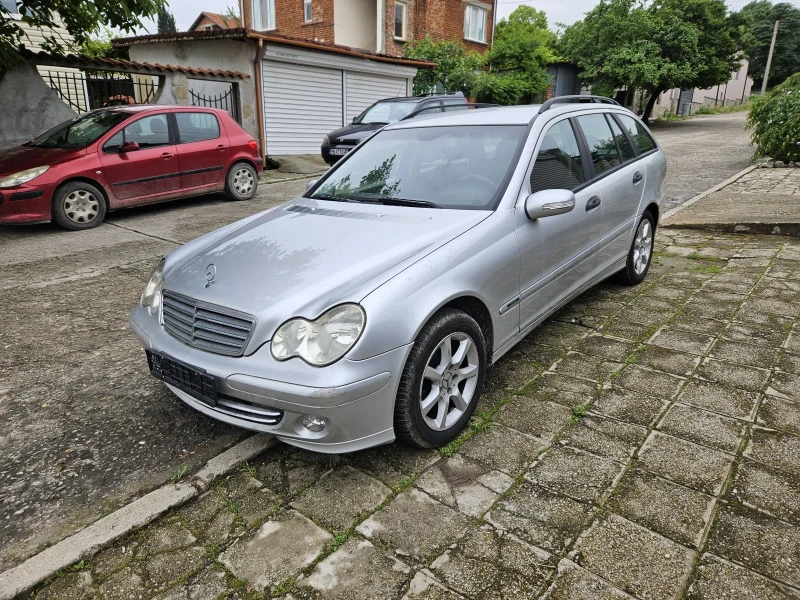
(126, 156)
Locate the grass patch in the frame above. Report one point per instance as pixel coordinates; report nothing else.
(338, 540)
(246, 468)
(709, 269)
(179, 474)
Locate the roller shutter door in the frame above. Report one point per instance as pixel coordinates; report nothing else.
(365, 89)
(301, 104)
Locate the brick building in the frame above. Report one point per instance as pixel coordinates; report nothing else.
(382, 26)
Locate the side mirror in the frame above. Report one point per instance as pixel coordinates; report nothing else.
(353, 122)
(311, 184)
(128, 147)
(548, 203)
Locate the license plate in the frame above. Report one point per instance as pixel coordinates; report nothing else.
(339, 151)
(195, 382)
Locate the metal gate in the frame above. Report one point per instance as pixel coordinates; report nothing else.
(227, 101)
(685, 102)
(83, 91)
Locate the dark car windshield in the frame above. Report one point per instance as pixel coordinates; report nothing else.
(80, 131)
(384, 113)
(461, 167)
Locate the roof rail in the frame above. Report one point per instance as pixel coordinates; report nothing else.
(577, 99)
(449, 108)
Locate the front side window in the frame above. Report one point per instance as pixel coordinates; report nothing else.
(602, 146)
(475, 23)
(400, 16)
(558, 165)
(80, 131)
(197, 127)
(263, 14)
(641, 139)
(308, 12)
(384, 113)
(458, 167)
(149, 132)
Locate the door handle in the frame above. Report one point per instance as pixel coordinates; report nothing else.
(221, 147)
(637, 177)
(593, 203)
(167, 155)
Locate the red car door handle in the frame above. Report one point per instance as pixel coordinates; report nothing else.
(166, 155)
(221, 147)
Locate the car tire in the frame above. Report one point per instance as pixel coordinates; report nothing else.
(641, 253)
(446, 413)
(241, 182)
(78, 205)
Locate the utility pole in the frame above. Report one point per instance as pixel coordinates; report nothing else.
(769, 59)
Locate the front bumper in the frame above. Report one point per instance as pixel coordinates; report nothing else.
(356, 398)
(329, 152)
(25, 203)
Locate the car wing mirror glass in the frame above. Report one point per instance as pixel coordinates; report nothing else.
(548, 203)
(128, 147)
(311, 184)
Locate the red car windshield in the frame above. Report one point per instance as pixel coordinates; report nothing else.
(80, 131)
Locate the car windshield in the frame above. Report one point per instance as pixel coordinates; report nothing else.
(462, 167)
(80, 131)
(384, 113)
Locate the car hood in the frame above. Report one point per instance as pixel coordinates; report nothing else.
(20, 158)
(308, 255)
(354, 133)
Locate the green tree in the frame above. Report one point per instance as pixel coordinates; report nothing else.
(655, 46)
(81, 18)
(100, 47)
(456, 68)
(775, 121)
(516, 64)
(166, 21)
(760, 19)
(232, 14)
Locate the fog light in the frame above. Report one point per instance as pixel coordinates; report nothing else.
(315, 424)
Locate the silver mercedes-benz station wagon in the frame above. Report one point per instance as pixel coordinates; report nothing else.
(369, 308)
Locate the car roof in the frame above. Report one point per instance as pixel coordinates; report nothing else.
(140, 108)
(501, 115)
(421, 98)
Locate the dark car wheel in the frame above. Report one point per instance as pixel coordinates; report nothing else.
(241, 182)
(641, 252)
(442, 380)
(78, 205)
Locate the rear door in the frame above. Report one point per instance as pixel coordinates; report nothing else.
(152, 170)
(203, 150)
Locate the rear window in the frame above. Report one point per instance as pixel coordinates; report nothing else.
(197, 126)
(602, 146)
(641, 139)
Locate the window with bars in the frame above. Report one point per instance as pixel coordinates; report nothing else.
(475, 23)
(308, 12)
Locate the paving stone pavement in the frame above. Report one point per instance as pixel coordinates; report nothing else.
(643, 443)
(784, 181)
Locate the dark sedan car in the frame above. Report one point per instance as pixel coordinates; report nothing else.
(338, 143)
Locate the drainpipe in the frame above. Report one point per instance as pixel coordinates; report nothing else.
(262, 139)
(494, 19)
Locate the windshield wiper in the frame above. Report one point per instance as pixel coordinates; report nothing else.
(396, 202)
(330, 197)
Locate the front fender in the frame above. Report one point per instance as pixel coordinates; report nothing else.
(482, 263)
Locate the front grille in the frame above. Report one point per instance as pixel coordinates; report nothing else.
(248, 411)
(206, 326)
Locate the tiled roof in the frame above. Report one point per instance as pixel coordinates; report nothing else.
(244, 34)
(221, 20)
(116, 64)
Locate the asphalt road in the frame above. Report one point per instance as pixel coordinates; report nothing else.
(85, 428)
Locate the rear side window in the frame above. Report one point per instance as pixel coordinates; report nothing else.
(558, 165)
(641, 139)
(602, 147)
(197, 127)
(625, 148)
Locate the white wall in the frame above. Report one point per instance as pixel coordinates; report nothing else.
(355, 23)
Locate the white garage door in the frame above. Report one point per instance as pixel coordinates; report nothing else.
(301, 105)
(364, 89)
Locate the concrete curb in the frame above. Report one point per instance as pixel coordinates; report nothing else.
(292, 178)
(702, 195)
(140, 512)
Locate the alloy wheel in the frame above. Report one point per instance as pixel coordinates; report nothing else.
(449, 381)
(81, 206)
(642, 246)
(243, 181)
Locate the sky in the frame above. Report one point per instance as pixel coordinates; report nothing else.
(558, 11)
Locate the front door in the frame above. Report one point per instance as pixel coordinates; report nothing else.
(202, 150)
(151, 171)
(555, 255)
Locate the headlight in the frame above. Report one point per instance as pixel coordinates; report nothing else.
(323, 341)
(22, 177)
(326, 141)
(151, 297)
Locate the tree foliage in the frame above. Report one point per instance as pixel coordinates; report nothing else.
(511, 72)
(655, 46)
(759, 18)
(775, 121)
(81, 18)
(101, 47)
(166, 21)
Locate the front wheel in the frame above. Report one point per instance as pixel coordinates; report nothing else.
(241, 182)
(641, 252)
(442, 380)
(78, 205)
